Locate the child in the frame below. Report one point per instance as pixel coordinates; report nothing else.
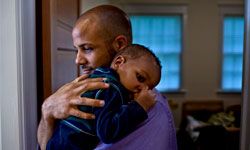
(134, 72)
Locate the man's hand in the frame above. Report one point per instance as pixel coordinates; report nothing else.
(64, 102)
(146, 98)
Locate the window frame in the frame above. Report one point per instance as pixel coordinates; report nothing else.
(226, 10)
(164, 10)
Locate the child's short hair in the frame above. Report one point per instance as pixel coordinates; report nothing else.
(134, 51)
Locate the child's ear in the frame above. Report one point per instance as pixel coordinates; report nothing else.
(118, 61)
(120, 42)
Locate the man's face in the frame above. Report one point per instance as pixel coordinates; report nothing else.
(92, 49)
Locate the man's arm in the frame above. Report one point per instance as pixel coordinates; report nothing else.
(44, 132)
(64, 102)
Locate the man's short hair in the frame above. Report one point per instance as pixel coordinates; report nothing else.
(113, 20)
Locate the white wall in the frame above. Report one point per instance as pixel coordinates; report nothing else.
(9, 74)
(18, 109)
(1, 97)
(1, 64)
(201, 55)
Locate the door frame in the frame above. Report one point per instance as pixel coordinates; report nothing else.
(26, 12)
(245, 113)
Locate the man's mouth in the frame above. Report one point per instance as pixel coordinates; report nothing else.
(86, 70)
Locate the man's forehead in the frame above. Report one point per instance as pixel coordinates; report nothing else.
(87, 26)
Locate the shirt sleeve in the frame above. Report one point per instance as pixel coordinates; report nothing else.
(116, 120)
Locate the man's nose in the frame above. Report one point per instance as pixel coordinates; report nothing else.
(80, 59)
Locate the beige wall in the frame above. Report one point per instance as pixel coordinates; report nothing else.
(87, 4)
(201, 56)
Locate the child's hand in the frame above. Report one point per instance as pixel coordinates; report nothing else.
(146, 98)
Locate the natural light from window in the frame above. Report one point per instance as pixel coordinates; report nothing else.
(233, 36)
(163, 35)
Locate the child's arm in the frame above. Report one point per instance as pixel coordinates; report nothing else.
(114, 120)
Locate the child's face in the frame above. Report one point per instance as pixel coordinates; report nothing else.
(92, 49)
(136, 74)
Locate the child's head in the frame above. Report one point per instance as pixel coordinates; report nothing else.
(99, 34)
(138, 68)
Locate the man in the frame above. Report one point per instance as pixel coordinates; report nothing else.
(101, 29)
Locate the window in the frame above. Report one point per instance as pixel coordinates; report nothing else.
(161, 29)
(163, 35)
(232, 47)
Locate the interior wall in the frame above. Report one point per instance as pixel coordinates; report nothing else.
(87, 4)
(201, 55)
(18, 112)
(1, 63)
(8, 77)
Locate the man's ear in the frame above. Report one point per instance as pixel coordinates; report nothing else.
(120, 42)
(118, 61)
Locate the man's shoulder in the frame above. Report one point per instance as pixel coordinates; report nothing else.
(161, 108)
(159, 96)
